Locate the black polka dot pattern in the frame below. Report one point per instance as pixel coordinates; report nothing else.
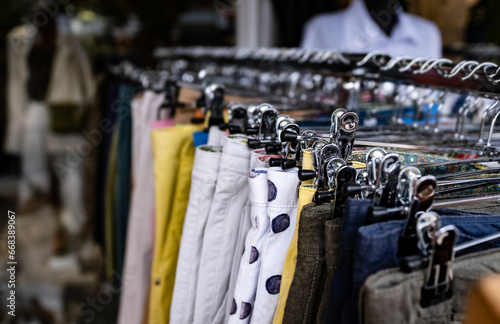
(273, 284)
(280, 223)
(245, 311)
(272, 191)
(254, 255)
(233, 308)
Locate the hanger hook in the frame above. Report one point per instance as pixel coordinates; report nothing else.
(369, 56)
(413, 62)
(395, 60)
(483, 120)
(490, 135)
(340, 56)
(305, 56)
(424, 65)
(460, 66)
(437, 62)
(485, 65)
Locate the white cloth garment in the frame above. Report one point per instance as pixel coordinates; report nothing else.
(20, 41)
(35, 168)
(138, 253)
(221, 232)
(248, 275)
(216, 136)
(353, 30)
(258, 159)
(28, 122)
(282, 213)
(203, 183)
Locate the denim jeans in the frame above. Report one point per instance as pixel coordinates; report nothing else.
(354, 217)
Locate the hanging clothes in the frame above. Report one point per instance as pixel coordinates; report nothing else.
(139, 247)
(173, 167)
(282, 213)
(203, 184)
(221, 232)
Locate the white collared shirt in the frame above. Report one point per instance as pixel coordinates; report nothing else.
(353, 30)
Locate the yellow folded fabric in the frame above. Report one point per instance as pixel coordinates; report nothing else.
(307, 164)
(484, 302)
(173, 155)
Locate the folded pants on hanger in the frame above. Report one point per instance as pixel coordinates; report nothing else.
(282, 212)
(203, 182)
(139, 254)
(221, 232)
(306, 194)
(173, 154)
(400, 292)
(248, 275)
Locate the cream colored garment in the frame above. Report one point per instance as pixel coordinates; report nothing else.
(28, 125)
(71, 73)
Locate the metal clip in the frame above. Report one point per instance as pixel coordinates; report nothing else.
(267, 127)
(424, 190)
(214, 98)
(439, 277)
(428, 224)
(373, 158)
(346, 126)
(238, 118)
(387, 181)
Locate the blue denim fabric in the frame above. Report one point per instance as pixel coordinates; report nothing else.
(377, 244)
(354, 217)
(200, 138)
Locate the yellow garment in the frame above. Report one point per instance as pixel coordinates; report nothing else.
(109, 204)
(358, 165)
(307, 164)
(173, 155)
(484, 302)
(306, 194)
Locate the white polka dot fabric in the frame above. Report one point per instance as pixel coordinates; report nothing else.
(221, 232)
(258, 159)
(282, 213)
(248, 275)
(203, 182)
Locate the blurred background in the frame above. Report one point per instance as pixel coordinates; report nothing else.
(60, 213)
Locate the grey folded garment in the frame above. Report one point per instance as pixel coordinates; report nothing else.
(332, 243)
(392, 296)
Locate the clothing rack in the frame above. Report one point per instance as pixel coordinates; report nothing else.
(464, 77)
(231, 224)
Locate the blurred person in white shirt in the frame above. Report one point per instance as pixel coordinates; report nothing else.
(369, 25)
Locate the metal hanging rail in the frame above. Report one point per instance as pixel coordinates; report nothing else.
(482, 79)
